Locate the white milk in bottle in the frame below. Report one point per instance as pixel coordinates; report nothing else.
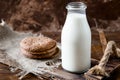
(76, 39)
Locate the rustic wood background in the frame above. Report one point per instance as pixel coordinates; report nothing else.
(48, 16)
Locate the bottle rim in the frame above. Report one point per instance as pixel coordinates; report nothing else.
(76, 5)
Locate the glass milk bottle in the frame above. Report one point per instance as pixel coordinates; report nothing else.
(76, 39)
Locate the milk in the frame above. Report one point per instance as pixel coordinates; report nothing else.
(76, 43)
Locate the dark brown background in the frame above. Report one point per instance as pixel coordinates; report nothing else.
(49, 15)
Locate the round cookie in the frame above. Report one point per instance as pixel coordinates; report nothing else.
(41, 52)
(37, 43)
(38, 53)
(39, 56)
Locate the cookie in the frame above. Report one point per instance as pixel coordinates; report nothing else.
(41, 56)
(40, 52)
(37, 43)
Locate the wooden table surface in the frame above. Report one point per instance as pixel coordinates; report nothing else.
(6, 74)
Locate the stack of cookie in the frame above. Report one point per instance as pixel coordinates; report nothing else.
(39, 47)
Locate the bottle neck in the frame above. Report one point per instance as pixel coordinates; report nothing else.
(77, 11)
(76, 7)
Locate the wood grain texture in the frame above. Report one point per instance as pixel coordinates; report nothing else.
(60, 74)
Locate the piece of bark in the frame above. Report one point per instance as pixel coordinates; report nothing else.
(103, 39)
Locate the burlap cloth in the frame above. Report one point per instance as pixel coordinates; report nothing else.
(10, 52)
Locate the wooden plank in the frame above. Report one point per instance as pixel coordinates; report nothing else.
(111, 65)
(59, 74)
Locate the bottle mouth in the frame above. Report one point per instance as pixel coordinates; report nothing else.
(76, 5)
